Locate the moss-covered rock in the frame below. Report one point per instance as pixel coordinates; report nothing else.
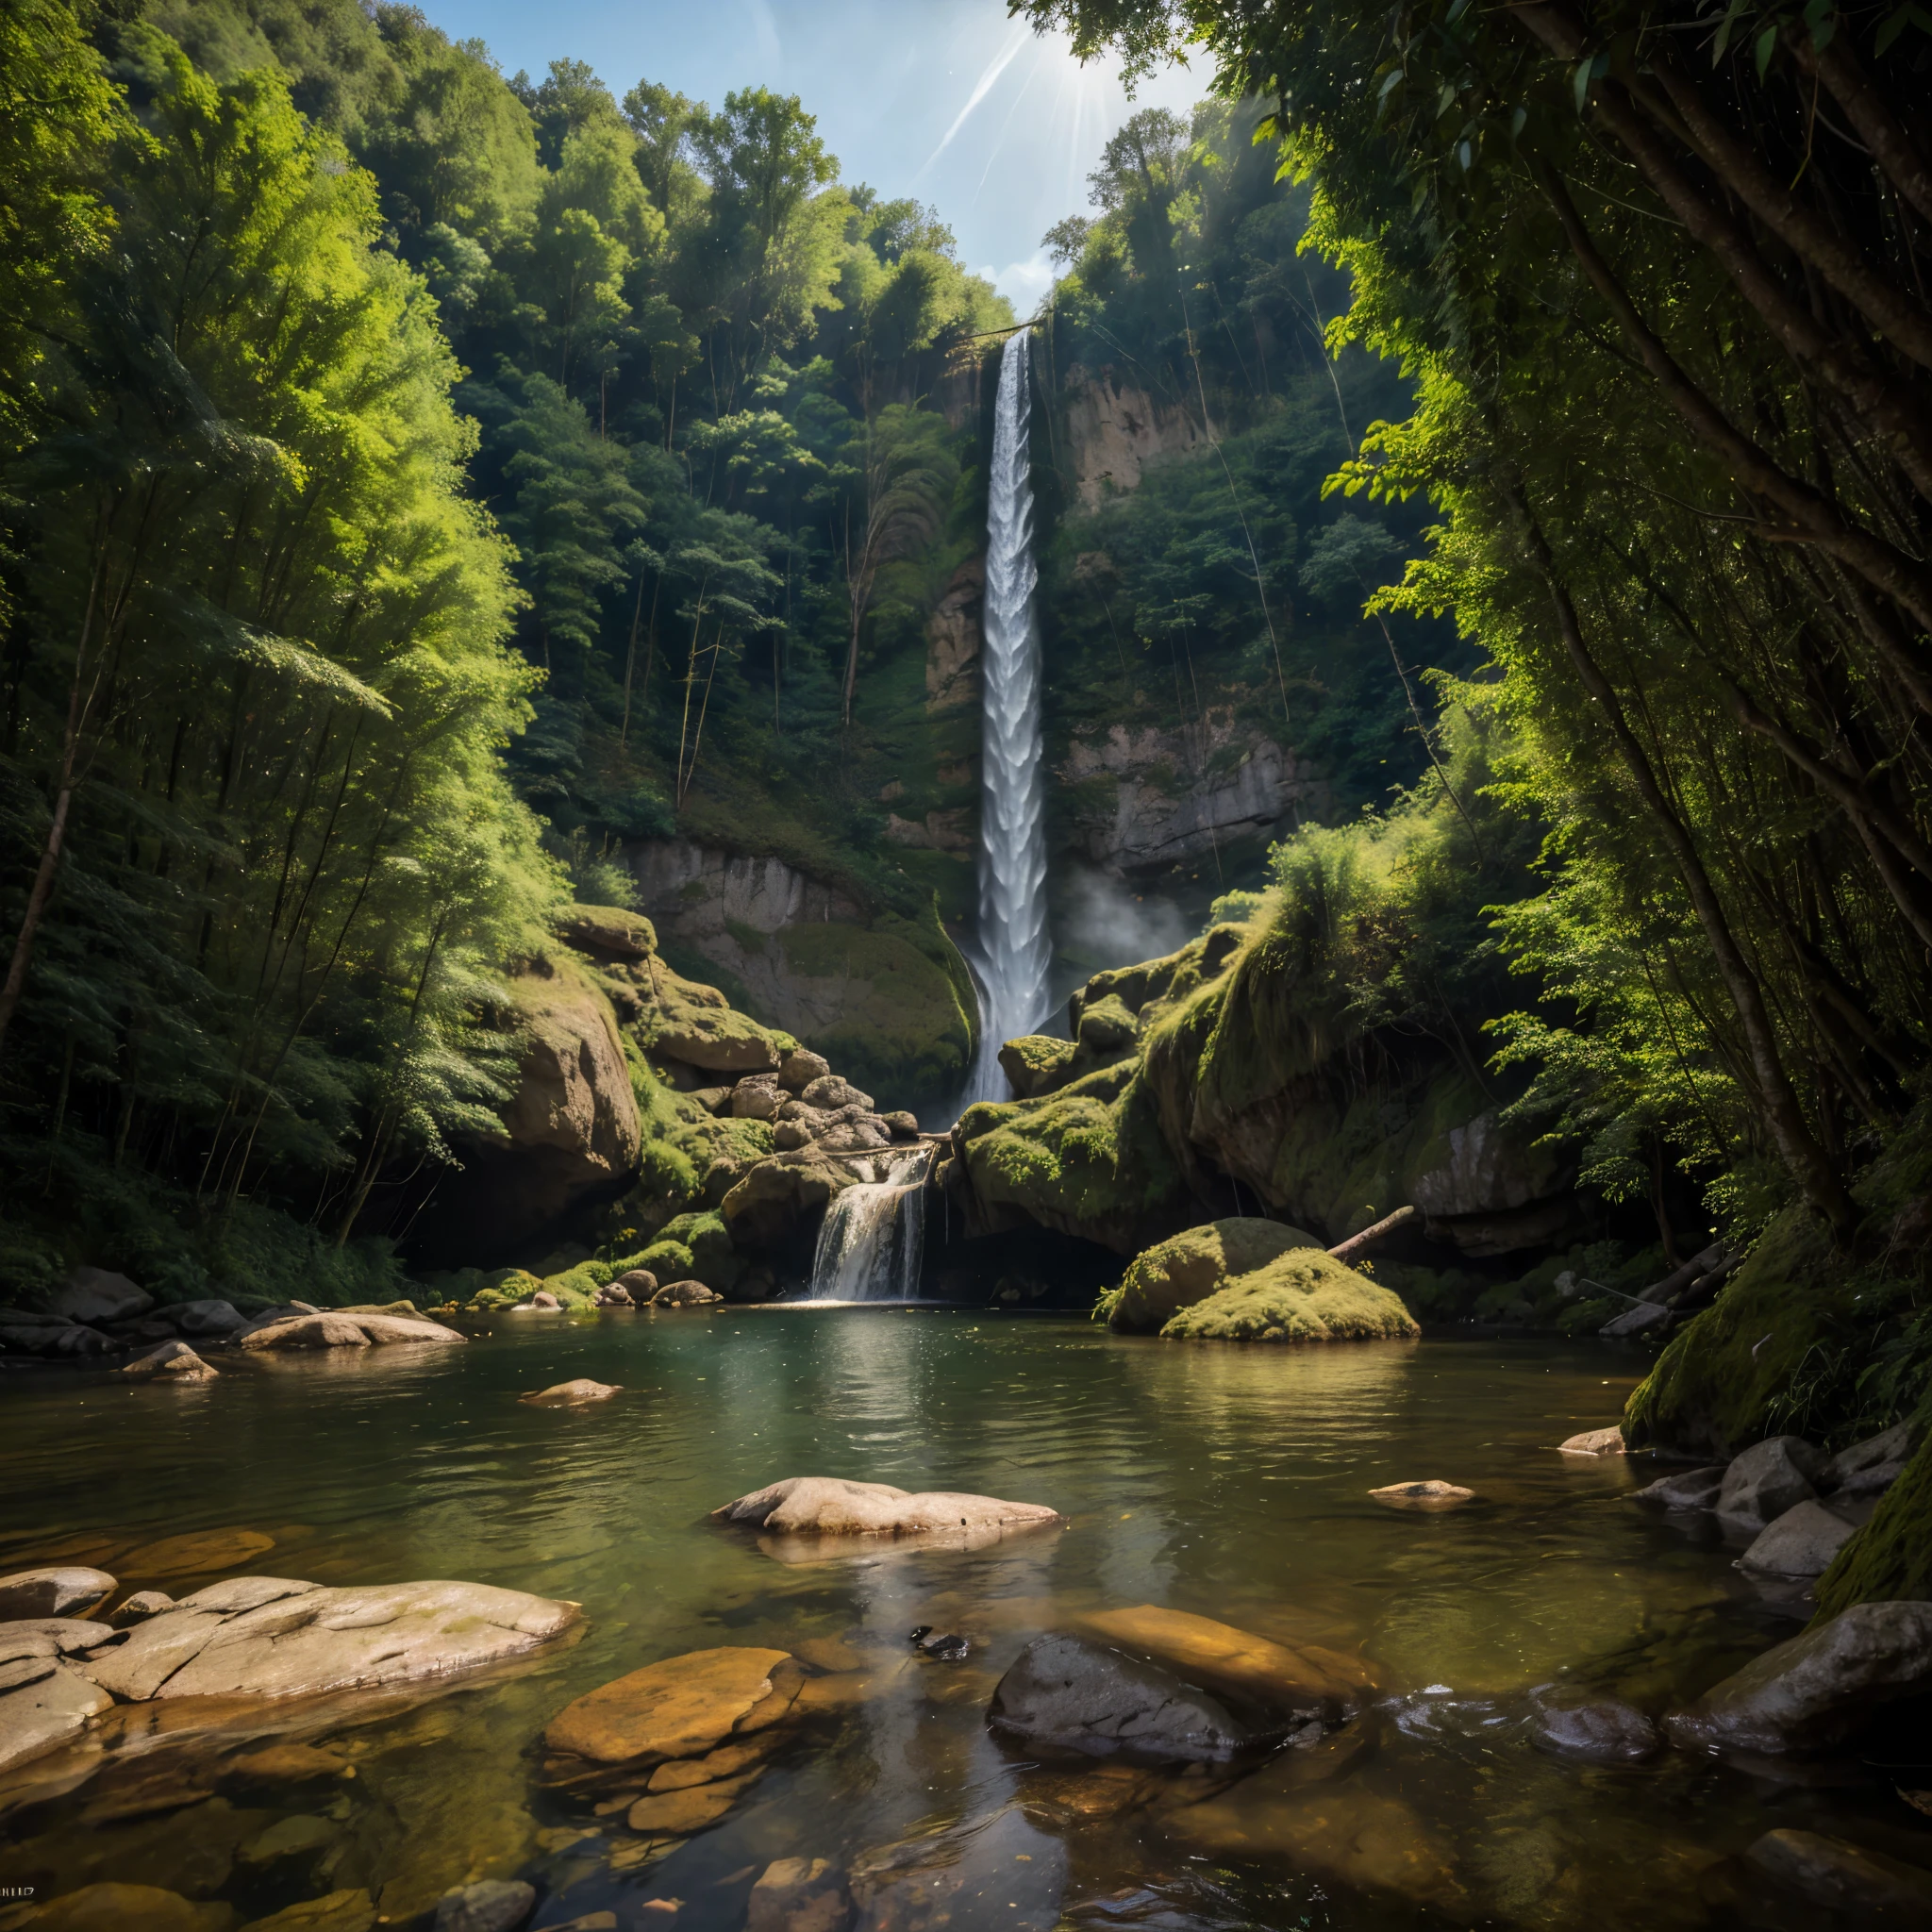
(1088, 1161)
(1035, 1063)
(1303, 1295)
(669, 1261)
(696, 1025)
(1891, 1557)
(606, 932)
(1107, 1024)
(1188, 1268)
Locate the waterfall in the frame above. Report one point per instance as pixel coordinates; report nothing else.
(1014, 950)
(873, 1237)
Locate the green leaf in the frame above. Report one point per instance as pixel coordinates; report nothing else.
(1763, 48)
(1390, 81)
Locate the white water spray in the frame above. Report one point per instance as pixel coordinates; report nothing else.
(873, 1238)
(1014, 950)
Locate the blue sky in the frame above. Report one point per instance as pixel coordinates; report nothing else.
(945, 99)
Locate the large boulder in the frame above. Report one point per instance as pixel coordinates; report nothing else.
(33, 1332)
(779, 1203)
(1766, 1480)
(1816, 1691)
(209, 1318)
(1303, 1295)
(606, 932)
(95, 1295)
(66, 1591)
(276, 1636)
(829, 1092)
(1801, 1543)
(1887, 1451)
(1175, 1274)
(800, 1068)
(697, 1025)
(831, 1506)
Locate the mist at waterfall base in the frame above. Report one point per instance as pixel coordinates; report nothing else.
(1014, 950)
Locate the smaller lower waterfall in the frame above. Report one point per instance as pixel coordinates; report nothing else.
(873, 1237)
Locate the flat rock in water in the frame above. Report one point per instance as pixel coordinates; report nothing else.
(173, 1361)
(1068, 1693)
(1815, 1690)
(343, 1328)
(681, 1707)
(1835, 1874)
(124, 1907)
(51, 1637)
(1423, 1495)
(830, 1506)
(53, 1592)
(198, 1553)
(349, 1910)
(1294, 1684)
(309, 1640)
(1692, 1488)
(492, 1905)
(43, 1702)
(1594, 1442)
(564, 1395)
(1598, 1730)
(695, 1809)
(1801, 1543)
(1766, 1480)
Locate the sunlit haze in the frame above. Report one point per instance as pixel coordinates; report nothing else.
(945, 99)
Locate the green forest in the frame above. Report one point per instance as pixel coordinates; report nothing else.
(424, 490)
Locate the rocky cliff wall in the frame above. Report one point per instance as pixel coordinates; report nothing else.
(1143, 801)
(1115, 430)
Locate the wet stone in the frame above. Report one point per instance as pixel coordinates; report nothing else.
(1690, 1489)
(492, 1905)
(1431, 1494)
(1846, 1878)
(1597, 1730)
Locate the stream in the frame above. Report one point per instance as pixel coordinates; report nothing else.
(1218, 1480)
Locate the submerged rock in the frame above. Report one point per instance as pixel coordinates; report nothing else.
(1070, 1693)
(198, 1553)
(115, 1907)
(829, 1505)
(492, 1905)
(1431, 1494)
(57, 1593)
(1766, 1480)
(1835, 1874)
(277, 1637)
(684, 1707)
(1599, 1730)
(1815, 1690)
(1694, 1489)
(350, 1910)
(799, 1895)
(561, 1394)
(1296, 1684)
(1594, 1442)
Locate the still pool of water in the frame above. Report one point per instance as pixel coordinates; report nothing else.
(1220, 1480)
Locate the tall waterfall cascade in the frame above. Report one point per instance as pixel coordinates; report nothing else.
(873, 1238)
(1014, 948)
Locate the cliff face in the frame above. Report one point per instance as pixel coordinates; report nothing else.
(1115, 429)
(1141, 801)
(869, 993)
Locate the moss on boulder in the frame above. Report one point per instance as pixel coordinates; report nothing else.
(1088, 1161)
(1891, 1557)
(669, 1261)
(1035, 1063)
(1305, 1295)
(696, 1025)
(1175, 1274)
(608, 932)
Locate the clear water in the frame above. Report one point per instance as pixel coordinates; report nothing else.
(1014, 949)
(1225, 1481)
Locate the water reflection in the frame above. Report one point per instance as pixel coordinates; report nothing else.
(1225, 1481)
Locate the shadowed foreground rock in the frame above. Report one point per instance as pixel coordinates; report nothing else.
(831, 1506)
(1815, 1691)
(1844, 1878)
(65, 1591)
